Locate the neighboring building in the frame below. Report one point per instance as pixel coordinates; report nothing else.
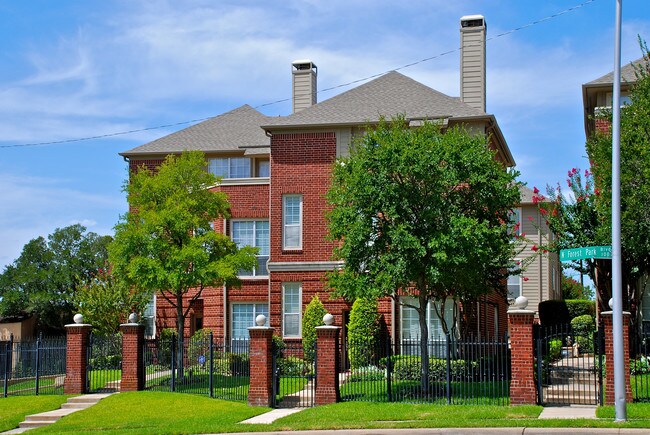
(597, 96)
(276, 171)
(541, 279)
(21, 327)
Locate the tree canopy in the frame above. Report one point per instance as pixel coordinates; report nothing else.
(166, 243)
(46, 276)
(422, 213)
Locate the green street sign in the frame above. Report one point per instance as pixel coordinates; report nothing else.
(586, 252)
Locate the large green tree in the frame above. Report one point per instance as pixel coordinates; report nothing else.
(635, 182)
(46, 276)
(421, 213)
(166, 243)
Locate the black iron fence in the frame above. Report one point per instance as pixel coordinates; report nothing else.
(469, 370)
(205, 366)
(32, 367)
(104, 371)
(294, 375)
(568, 365)
(640, 369)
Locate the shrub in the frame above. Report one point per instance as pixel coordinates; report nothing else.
(409, 369)
(580, 307)
(199, 345)
(370, 373)
(555, 350)
(292, 366)
(363, 332)
(312, 318)
(553, 312)
(583, 330)
(640, 366)
(167, 337)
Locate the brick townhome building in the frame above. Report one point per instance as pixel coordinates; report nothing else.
(276, 171)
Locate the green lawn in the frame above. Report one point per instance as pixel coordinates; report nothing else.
(99, 378)
(169, 413)
(13, 409)
(485, 393)
(156, 413)
(29, 385)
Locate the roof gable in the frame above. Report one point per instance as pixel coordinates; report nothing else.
(627, 74)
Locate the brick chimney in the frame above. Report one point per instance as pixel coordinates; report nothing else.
(304, 74)
(472, 60)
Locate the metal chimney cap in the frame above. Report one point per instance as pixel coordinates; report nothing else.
(303, 64)
(472, 21)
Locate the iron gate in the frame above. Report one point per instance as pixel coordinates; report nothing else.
(104, 370)
(568, 366)
(294, 375)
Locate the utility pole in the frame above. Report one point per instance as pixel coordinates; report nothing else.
(617, 290)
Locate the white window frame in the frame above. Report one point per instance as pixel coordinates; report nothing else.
(431, 316)
(519, 278)
(255, 314)
(255, 273)
(153, 317)
(230, 161)
(285, 225)
(285, 287)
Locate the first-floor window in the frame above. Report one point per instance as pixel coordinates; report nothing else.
(149, 318)
(291, 309)
(243, 317)
(411, 321)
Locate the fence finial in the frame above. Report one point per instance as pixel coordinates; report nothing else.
(328, 319)
(260, 320)
(78, 319)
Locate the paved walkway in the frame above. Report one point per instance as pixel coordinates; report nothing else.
(570, 412)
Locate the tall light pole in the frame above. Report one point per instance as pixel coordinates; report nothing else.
(617, 290)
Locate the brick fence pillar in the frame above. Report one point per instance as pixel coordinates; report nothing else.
(260, 392)
(522, 380)
(609, 356)
(76, 357)
(327, 365)
(132, 357)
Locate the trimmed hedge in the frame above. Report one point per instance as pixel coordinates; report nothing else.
(583, 328)
(408, 368)
(312, 318)
(580, 307)
(363, 331)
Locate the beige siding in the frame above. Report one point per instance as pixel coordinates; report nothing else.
(472, 73)
(543, 271)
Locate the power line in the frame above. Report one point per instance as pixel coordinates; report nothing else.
(408, 65)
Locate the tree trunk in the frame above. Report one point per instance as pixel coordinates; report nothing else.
(424, 343)
(180, 329)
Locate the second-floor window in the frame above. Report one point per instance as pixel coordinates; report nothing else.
(292, 222)
(239, 167)
(256, 234)
(514, 282)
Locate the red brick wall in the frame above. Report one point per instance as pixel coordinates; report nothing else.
(301, 163)
(327, 365)
(522, 381)
(312, 283)
(132, 362)
(603, 125)
(609, 357)
(76, 359)
(260, 392)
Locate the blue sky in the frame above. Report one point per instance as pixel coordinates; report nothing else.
(73, 69)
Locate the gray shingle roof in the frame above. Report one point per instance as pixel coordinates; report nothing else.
(526, 195)
(388, 95)
(627, 75)
(227, 132)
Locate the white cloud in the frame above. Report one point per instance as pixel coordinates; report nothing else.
(35, 206)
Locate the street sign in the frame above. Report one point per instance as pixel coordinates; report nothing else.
(585, 252)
